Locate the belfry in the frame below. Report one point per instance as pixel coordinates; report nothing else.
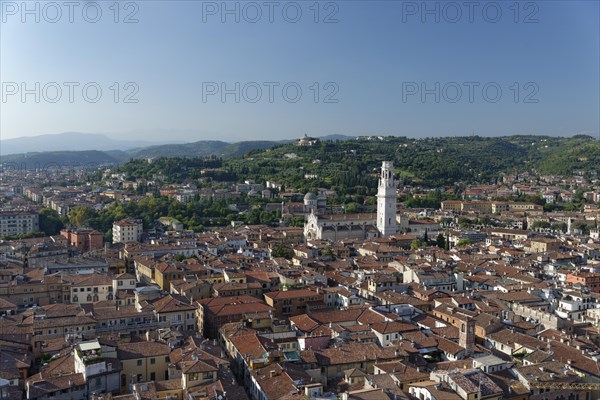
(386, 200)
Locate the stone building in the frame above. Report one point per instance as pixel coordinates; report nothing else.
(356, 226)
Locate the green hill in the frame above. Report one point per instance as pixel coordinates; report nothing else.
(345, 164)
(431, 162)
(88, 159)
(204, 148)
(197, 149)
(580, 153)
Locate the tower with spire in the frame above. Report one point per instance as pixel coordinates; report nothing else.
(386, 200)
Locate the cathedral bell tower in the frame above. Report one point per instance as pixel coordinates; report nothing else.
(386, 200)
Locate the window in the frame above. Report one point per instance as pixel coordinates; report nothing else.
(139, 363)
(153, 376)
(153, 361)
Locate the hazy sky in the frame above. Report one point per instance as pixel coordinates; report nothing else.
(272, 70)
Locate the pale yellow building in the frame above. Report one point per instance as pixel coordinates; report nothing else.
(142, 362)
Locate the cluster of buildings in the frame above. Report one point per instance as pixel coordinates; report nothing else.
(352, 308)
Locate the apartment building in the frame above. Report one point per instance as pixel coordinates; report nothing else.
(127, 230)
(289, 303)
(90, 288)
(142, 362)
(83, 239)
(18, 222)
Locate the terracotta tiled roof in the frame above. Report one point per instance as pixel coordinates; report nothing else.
(393, 327)
(129, 351)
(172, 303)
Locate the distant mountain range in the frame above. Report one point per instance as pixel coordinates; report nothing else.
(74, 148)
(67, 141)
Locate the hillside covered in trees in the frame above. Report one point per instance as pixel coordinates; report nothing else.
(353, 164)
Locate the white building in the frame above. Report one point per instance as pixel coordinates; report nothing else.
(339, 297)
(386, 200)
(125, 281)
(127, 230)
(86, 289)
(574, 306)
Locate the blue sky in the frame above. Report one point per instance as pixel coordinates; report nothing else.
(363, 74)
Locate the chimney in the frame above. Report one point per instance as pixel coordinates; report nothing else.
(272, 373)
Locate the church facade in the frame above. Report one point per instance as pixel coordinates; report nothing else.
(359, 226)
